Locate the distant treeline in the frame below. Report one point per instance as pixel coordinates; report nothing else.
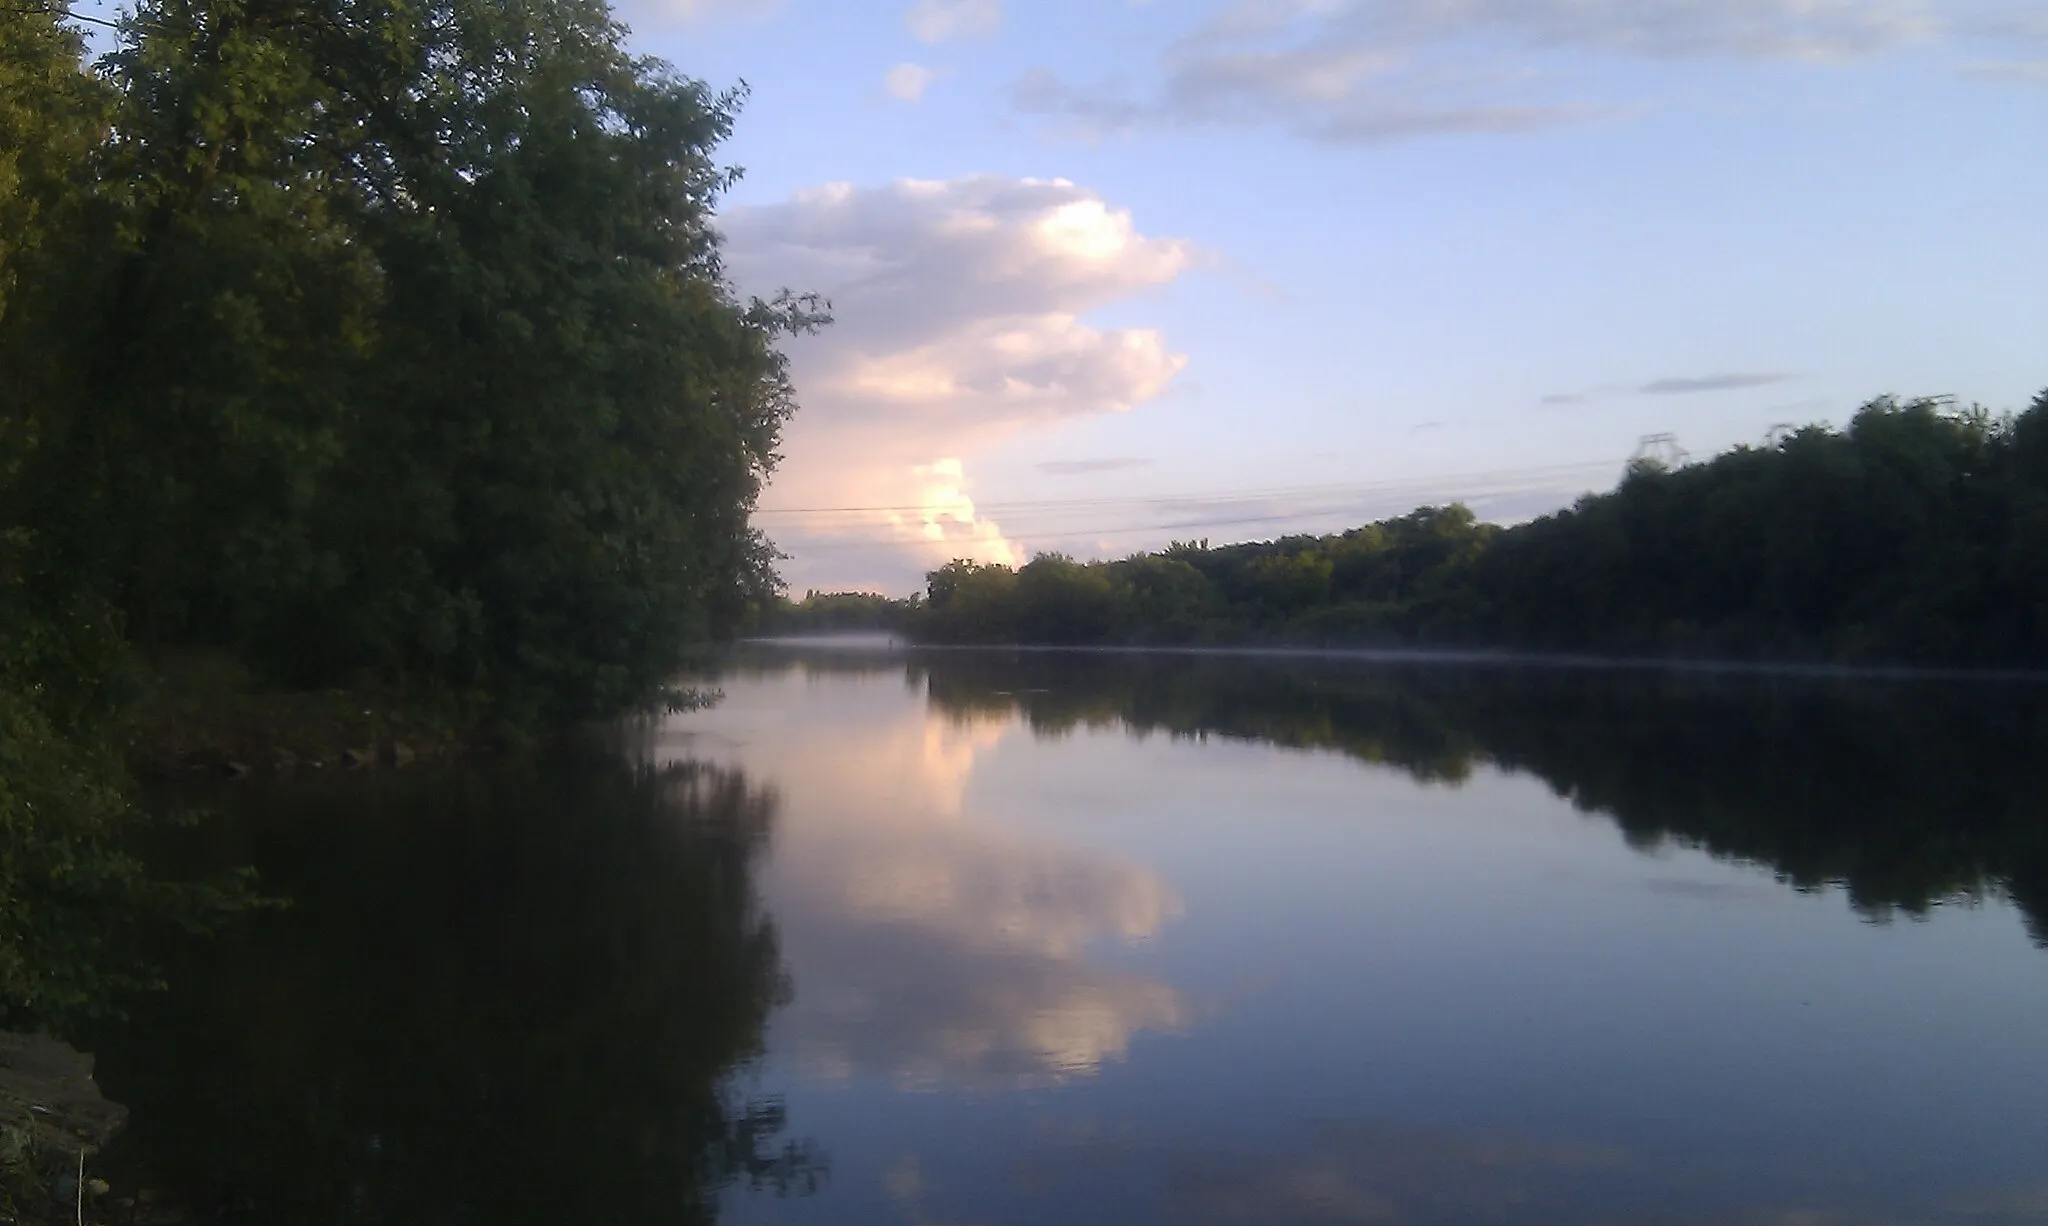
(836, 612)
(1917, 535)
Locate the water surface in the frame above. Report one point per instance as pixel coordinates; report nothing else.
(1004, 938)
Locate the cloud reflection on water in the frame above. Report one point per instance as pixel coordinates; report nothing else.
(927, 943)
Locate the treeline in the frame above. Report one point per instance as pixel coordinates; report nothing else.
(1916, 535)
(833, 613)
(366, 344)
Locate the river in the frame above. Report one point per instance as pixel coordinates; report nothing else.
(1000, 937)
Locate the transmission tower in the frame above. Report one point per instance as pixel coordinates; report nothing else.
(1660, 449)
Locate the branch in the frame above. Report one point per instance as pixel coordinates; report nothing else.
(55, 9)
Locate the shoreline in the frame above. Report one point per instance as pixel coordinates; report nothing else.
(204, 715)
(1483, 656)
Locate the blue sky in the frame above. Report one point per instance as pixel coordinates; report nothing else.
(1112, 274)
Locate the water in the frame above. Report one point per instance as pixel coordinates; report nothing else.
(1000, 938)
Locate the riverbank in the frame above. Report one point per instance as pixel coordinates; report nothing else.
(202, 713)
(53, 1120)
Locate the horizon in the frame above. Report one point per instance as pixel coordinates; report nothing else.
(1303, 265)
(1661, 451)
(1106, 274)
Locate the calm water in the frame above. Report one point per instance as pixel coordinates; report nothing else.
(989, 938)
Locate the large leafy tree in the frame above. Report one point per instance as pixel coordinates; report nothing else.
(571, 415)
(394, 336)
(59, 647)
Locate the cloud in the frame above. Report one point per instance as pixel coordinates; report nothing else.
(1075, 468)
(1329, 103)
(1802, 29)
(945, 515)
(1709, 383)
(938, 21)
(2017, 72)
(686, 11)
(1672, 385)
(960, 311)
(907, 82)
(2013, 25)
(1396, 123)
(1352, 72)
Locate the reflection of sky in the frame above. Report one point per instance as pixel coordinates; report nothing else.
(927, 943)
(1379, 1001)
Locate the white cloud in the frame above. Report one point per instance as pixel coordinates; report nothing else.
(1330, 108)
(938, 21)
(960, 308)
(2016, 72)
(1772, 28)
(687, 11)
(907, 82)
(1361, 71)
(1768, 28)
(945, 516)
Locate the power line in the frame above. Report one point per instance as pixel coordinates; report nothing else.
(1256, 512)
(1221, 498)
(1025, 535)
(1197, 523)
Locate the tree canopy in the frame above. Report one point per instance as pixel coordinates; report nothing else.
(353, 339)
(359, 335)
(1918, 535)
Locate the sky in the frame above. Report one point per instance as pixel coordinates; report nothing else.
(1108, 275)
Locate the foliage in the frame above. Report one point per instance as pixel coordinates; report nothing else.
(830, 612)
(1916, 535)
(62, 876)
(76, 904)
(1398, 579)
(373, 344)
(1891, 540)
(386, 338)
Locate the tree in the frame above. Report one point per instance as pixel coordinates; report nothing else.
(1061, 601)
(405, 346)
(1914, 536)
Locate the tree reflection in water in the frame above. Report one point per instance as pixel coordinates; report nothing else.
(1904, 793)
(511, 994)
